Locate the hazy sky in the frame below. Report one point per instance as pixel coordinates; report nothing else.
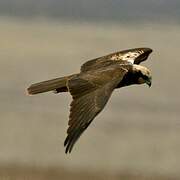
(103, 10)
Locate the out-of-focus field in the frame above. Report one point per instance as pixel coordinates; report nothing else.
(138, 133)
(29, 173)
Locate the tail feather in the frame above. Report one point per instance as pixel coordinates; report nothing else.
(50, 85)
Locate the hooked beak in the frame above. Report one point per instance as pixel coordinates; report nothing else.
(149, 82)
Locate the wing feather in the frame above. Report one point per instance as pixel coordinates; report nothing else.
(133, 56)
(90, 94)
(100, 62)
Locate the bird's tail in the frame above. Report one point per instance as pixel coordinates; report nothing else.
(57, 85)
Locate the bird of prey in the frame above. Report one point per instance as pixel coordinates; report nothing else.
(93, 85)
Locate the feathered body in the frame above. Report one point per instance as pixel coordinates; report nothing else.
(93, 86)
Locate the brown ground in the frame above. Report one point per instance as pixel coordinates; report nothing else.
(27, 173)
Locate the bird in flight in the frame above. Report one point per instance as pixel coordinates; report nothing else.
(93, 85)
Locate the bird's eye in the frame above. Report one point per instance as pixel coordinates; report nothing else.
(145, 77)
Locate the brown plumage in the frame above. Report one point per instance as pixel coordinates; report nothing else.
(93, 86)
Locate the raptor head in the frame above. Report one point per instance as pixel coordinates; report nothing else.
(143, 75)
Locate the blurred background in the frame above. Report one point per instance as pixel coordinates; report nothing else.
(136, 136)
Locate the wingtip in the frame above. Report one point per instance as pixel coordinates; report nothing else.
(67, 151)
(28, 92)
(66, 145)
(66, 141)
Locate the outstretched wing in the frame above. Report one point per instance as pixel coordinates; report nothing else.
(90, 94)
(133, 56)
(99, 62)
